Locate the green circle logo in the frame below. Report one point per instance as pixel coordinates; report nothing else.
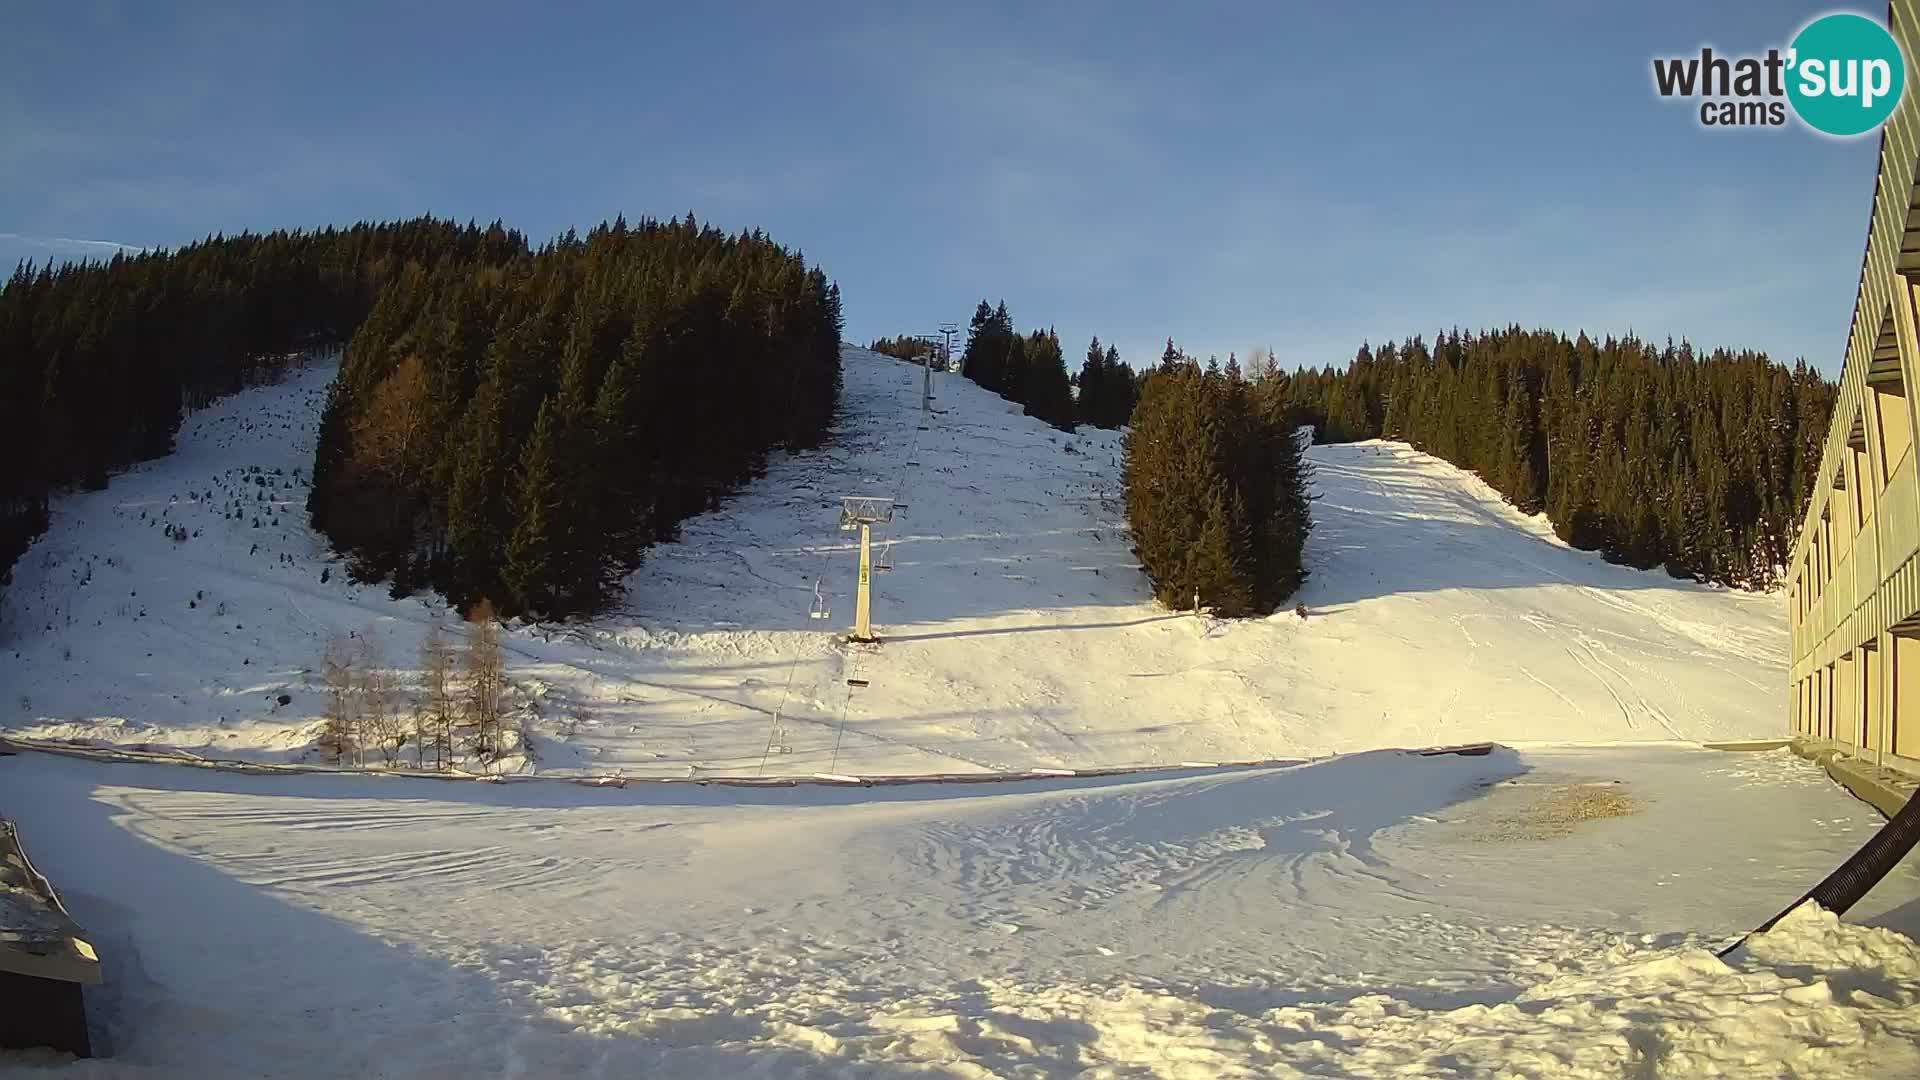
(1846, 74)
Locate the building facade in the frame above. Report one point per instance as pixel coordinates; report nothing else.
(1854, 578)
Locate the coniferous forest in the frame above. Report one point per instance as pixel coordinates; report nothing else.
(1108, 387)
(903, 347)
(1030, 370)
(524, 434)
(99, 361)
(521, 424)
(1216, 488)
(507, 423)
(1701, 463)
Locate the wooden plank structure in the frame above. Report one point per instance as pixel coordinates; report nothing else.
(44, 959)
(1853, 578)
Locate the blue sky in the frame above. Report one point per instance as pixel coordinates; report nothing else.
(1232, 175)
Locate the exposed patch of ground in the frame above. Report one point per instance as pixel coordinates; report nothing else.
(1546, 809)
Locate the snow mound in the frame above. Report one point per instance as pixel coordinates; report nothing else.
(1815, 997)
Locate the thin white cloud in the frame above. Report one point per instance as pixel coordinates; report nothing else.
(68, 244)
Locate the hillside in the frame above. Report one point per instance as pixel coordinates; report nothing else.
(1016, 629)
(1546, 911)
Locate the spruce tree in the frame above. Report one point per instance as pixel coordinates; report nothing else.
(1216, 494)
(1122, 390)
(974, 357)
(1212, 573)
(535, 572)
(1049, 395)
(1092, 406)
(1013, 371)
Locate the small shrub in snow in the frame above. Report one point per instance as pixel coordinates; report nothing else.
(438, 707)
(339, 734)
(485, 678)
(381, 721)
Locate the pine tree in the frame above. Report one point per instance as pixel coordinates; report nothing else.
(620, 538)
(1049, 395)
(1013, 371)
(1216, 493)
(475, 527)
(536, 568)
(1093, 404)
(1122, 390)
(973, 357)
(1217, 562)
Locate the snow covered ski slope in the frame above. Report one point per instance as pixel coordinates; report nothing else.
(1017, 632)
(1548, 911)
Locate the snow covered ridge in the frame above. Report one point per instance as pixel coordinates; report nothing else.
(1018, 632)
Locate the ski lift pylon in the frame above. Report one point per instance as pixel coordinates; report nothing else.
(858, 510)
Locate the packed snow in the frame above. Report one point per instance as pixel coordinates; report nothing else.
(1017, 629)
(1551, 910)
(1380, 914)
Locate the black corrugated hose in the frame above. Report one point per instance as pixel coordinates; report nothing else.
(1844, 887)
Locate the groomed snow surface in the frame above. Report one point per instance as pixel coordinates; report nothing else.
(1381, 914)
(1546, 911)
